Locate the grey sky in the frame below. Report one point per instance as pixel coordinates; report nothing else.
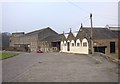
(60, 16)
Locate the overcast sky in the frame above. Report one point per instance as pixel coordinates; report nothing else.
(60, 16)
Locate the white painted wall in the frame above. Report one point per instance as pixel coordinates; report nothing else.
(85, 49)
(75, 49)
(72, 48)
(63, 46)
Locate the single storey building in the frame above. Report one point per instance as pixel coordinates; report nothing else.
(104, 41)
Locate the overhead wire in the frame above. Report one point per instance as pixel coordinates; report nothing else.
(97, 15)
(83, 19)
(77, 6)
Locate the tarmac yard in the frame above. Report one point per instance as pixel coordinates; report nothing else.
(58, 67)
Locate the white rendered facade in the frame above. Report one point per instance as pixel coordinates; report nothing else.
(75, 46)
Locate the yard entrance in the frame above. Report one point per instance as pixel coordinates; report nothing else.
(100, 49)
(56, 46)
(58, 67)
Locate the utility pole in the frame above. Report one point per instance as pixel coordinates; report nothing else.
(91, 36)
(70, 29)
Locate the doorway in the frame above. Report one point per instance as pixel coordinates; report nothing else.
(100, 49)
(112, 47)
(68, 46)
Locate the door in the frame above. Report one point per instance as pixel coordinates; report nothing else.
(112, 47)
(68, 46)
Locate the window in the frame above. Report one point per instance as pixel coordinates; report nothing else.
(72, 44)
(10, 40)
(65, 44)
(84, 44)
(78, 44)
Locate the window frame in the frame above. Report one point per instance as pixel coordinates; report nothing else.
(73, 44)
(78, 45)
(85, 44)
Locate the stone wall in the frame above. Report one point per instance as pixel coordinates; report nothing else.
(106, 42)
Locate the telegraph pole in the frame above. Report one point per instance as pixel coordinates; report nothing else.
(91, 36)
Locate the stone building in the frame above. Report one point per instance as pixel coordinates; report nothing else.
(47, 40)
(104, 41)
(14, 39)
(51, 43)
(36, 40)
(74, 43)
(116, 30)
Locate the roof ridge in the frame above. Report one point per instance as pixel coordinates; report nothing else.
(38, 30)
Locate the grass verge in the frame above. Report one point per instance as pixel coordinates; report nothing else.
(5, 55)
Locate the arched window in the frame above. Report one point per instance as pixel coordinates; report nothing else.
(77, 42)
(64, 43)
(72, 43)
(84, 42)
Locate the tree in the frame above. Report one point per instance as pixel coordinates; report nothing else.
(5, 39)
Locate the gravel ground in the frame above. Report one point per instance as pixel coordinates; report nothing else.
(58, 67)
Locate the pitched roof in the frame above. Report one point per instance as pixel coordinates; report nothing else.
(75, 34)
(116, 32)
(66, 35)
(19, 33)
(53, 38)
(70, 36)
(81, 35)
(37, 32)
(100, 33)
(63, 37)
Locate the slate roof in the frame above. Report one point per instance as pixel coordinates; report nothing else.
(70, 36)
(116, 32)
(63, 37)
(38, 31)
(53, 38)
(100, 33)
(81, 35)
(19, 33)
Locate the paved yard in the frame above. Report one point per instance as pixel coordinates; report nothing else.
(58, 67)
